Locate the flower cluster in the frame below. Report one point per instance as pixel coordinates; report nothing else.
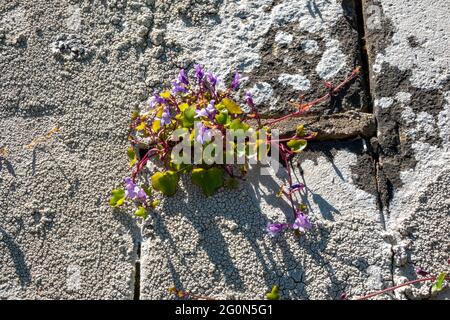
(203, 109)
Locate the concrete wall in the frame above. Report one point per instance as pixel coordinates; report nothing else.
(378, 196)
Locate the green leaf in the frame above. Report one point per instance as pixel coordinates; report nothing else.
(118, 198)
(187, 117)
(274, 294)
(297, 145)
(237, 124)
(223, 118)
(166, 182)
(141, 126)
(208, 179)
(437, 286)
(131, 156)
(231, 183)
(300, 132)
(147, 190)
(231, 106)
(141, 212)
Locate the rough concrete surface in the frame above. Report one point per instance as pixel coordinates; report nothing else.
(218, 246)
(410, 83)
(378, 199)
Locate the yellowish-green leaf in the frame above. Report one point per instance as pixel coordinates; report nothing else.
(131, 156)
(156, 125)
(297, 145)
(183, 106)
(208, 179)
(237, 124)
(155, 203)
(231, 106)
(141, 212)
(166, 182)
(118, 198)
(274, 294)
(141, 126)
(438, 284)
(300, 132)
(165, 94)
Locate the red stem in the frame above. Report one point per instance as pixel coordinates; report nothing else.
(371, 295)
(307, 106)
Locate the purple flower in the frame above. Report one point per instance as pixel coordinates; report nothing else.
(249, 100)
(201, 113)
(213, 80)
(166, 118)
(301, 222)
(203, 134)
(236, 80)
(132, 191)
(421, 272)
(157, 99)
(275, 228)
(178, 87)
(199, 73)
(182, 78)
(211, 109)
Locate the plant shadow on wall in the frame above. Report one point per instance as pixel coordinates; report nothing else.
(198, 114)
(17, 256)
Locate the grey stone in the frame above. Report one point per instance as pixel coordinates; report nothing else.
(410, 83)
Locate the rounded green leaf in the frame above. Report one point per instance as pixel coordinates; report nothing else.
(297, 145)
(166, 182)
(223, 118)
(231, 106)
(187, 117)
(237, 124)
(141, 212)
(118, 198)
(208, 179)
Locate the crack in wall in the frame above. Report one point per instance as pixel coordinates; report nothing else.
(373, 145)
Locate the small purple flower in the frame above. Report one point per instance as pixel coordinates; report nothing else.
(199, 73)
(203, 134)
(213, 80)
(301, 222)
(211, 109)
(166, 118)
(421, 272)
(201, 113)
(182, 78)
(249, 100)
(178, 87)
(236, 80)
(132, 191)
(157, 99)
(275, 228)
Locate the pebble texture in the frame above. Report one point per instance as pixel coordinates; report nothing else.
(410, 82)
